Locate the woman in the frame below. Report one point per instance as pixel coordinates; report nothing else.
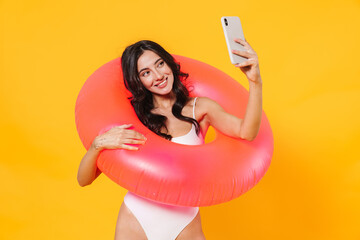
(162, 103)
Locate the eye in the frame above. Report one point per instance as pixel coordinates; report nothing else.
(145, 73)
(161, 64)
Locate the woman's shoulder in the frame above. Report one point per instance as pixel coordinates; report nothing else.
(204, 105)
(205, 101)
(199, 101)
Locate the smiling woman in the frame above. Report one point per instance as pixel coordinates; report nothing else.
(162, 174)
(156, 75)
(154, 79)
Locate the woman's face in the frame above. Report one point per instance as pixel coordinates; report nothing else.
(154, 73)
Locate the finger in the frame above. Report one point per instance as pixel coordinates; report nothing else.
(127, 147)
(124, 126)
(241, 41)
(241, 53)
(134, 141)
(134, 134)
(244, 43)
(244, 64)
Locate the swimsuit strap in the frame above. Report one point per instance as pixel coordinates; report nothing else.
(194, 107)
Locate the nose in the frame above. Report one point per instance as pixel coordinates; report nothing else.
(159, 75)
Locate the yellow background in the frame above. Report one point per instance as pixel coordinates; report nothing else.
(308, 52)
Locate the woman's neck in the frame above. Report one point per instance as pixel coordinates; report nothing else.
(164, 101)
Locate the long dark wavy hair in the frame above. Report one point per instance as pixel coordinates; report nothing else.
(142, 99)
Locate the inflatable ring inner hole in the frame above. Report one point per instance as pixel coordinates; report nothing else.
(210, 135)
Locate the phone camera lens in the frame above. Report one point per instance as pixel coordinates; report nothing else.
(226, 22)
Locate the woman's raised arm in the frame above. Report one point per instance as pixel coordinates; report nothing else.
(229, 124)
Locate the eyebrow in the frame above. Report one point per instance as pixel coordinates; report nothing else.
(147, 68)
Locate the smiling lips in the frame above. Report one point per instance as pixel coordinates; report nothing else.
(162, 84)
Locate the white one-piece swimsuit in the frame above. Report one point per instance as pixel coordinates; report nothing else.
(162, 221)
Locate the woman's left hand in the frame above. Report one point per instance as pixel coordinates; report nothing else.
(251, 66)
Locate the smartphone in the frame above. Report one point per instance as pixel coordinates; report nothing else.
(232, 29)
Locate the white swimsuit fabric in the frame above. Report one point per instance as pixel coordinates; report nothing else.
(162, 221)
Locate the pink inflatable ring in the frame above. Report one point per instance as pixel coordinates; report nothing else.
(164, 171)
